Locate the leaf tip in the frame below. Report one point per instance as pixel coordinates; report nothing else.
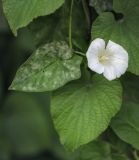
(12, 87)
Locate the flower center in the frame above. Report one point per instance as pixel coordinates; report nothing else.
(104, 58)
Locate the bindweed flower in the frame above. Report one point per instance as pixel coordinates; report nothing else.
(110, 59)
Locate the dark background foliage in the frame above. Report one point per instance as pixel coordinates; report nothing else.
(26, 127)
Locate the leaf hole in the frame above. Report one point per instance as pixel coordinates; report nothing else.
(119, 17)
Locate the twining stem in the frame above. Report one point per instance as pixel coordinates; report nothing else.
(86, 11)
(80, 53)
(70, 24)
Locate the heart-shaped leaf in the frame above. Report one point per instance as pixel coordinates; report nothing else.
(124, 31)
(82, 111)
(50, 67)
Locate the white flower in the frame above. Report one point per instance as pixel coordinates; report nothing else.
(110, 59)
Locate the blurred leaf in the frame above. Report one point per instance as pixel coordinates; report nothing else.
(97, 150)
(3, 23)
(131, 88)
(119, 146)
(126, 124)
(124, 31)
(119, 157)
(82, 111)
(44, 28)
(25, 41)
(50, 67)
(101, 5)
(25, 124)
(21, 13)
(4, 144)
(56, 26)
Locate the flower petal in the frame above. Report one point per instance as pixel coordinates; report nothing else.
(95, 46)
(96, 67)
(120, 68)
(109, 72)
(117, 51)
(119, 58)
(94, 49)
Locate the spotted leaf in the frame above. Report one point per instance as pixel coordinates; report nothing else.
(50, 67)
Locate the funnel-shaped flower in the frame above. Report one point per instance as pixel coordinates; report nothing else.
(110, 59)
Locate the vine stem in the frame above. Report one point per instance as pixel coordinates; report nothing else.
(86, 11)
(80, 53)
(135, 155)
(70, 24)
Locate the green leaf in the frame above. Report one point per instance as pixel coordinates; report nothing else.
(21, 12)
(25, 124)
(50, 67)
(57, 27)
(126, 124)
(123, 31)
(82, 111)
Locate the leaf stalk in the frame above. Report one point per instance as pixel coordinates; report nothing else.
(70, 24)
